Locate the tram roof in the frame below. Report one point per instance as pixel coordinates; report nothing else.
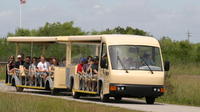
(111, 39)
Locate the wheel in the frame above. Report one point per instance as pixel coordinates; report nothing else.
(103, 98)
(19, 89)
(53, 91)
(150, 100)
(118, 98)
(75, 94)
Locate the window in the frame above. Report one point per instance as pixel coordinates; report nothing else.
(130, 57)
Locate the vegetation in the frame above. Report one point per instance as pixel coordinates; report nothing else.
(183, 89)
(182, 80)
(26, 103)
(2, 72)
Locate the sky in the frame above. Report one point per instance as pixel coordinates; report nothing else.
(173, 18)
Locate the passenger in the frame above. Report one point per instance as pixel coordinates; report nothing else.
(22, 56)
(80, 66)
(19, 61)
(94, 70)
(63, 62)
(88, 71)
(33, 70)
(95, 65)
(80, 72)
(26, 66)
(49, 60)
(54, 63)
(27, 63)
(11, 64)
(34, 62)
(87, 64)
(10, 68)
(43, 67)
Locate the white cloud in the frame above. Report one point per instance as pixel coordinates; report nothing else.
(97, 6)
(5, 13)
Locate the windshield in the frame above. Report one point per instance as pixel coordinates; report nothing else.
(130, 57)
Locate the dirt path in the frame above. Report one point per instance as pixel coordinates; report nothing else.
(132, 104)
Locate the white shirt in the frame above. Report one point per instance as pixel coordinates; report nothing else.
(43, 66)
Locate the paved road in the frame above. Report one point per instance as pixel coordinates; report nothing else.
(132, 104)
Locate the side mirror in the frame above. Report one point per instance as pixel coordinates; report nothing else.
(167, 66)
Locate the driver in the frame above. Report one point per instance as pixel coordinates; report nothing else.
(147, 58)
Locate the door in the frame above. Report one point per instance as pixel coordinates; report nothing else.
(104, 69)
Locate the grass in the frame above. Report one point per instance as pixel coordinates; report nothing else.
(182, 89)
(10, 102)
(2, 72)
(185, 69)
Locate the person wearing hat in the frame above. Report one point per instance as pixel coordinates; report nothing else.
(19, 62)
(94, 70)
(81, 72)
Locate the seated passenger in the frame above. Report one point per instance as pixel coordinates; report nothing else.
(10, 68)
(34, 62)
(63, 62)
(95, 65)
(27, 63)
(11, 64)
(54, 63)
(87, 64)
(19, 61)
(33, 70)
(80, 66)
(43, 67)
(88, 71)
(80, 72)
(94, 70)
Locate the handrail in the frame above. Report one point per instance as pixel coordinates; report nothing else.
(3, 63)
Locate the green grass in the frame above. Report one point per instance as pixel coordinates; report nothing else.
(182, 89)
(10, 102)
(185, 69)
(2, 72)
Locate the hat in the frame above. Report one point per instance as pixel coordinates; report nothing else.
(96, 58)
(83, 60)
(19, 56)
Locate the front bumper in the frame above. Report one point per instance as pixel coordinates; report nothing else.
(132, 90)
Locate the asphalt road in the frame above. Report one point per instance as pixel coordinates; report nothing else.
(132, 104)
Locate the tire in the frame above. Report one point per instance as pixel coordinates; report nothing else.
(150, 100)
(118, 98)
(103, 98)
(75, 95)
(19, 89)
(53, 92)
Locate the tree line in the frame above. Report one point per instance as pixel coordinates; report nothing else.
(177, 52)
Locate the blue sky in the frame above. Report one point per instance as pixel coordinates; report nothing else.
(158, 17)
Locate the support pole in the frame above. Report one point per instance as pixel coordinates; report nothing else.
(68, 53)
(20, 15)
(17, 50)
(31, 49)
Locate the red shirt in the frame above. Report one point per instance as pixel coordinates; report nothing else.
(80, 68)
